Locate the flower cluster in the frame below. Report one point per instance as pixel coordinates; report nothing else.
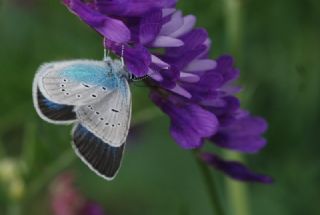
(195, 91)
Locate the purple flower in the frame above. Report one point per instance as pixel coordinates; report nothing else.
(243, 134)
(190, 123)
(195, 91)
(234, 169)
(126, 23)
(111, 28)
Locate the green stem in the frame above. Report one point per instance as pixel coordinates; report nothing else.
(234, 26)
(211, 186)
(236, 192)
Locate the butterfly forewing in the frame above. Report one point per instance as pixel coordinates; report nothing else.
(53, 112)
(77, 82)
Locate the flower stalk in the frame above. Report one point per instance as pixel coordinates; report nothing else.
(236, 192)
(210, 185)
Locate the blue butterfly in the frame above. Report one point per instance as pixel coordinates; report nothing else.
(95, 97)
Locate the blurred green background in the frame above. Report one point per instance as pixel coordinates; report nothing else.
(277, 48)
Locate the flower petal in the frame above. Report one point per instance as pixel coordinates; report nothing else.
(188, 77)
(242, 134)
(175, 23)
(132, 7)
(168, 11)
(150, 26)
(226, 68)
(181, 91)
(165, 41)
(235, 169)
(190, 123)
(156, 60)
(113, 29)
(248, 144)
(188, 24)
(155, 75)
(193, 40)
(201, 65)
(136, 58)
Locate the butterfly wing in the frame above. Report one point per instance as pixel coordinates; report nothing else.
(60, 86)
(101, 158)
(109, 119)
(77, 82)
(104, 128)
(53, 112)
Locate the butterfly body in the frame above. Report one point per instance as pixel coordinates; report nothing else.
(95, 96)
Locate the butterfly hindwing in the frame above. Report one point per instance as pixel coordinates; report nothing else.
(53, 112)
(77, 82)
(109, 119)
(102, 158)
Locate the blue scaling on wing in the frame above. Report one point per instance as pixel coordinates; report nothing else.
(123, 87)
(102, 158)
(92, 74)
(54, 111)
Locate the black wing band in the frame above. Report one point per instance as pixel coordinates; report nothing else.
(54, 111)
(102, 158)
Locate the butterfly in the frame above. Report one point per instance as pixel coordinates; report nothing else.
(96, 98)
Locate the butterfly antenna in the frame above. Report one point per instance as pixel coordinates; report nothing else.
(122, 53)
(106, 52)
